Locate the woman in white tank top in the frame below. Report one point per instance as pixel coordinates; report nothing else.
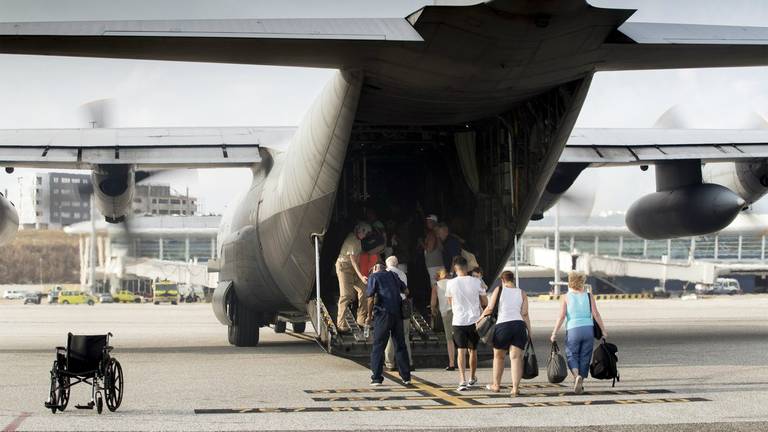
(511, 332)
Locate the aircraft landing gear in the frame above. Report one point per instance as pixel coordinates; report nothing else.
(244, 331)
(299, 327)
(280, 326)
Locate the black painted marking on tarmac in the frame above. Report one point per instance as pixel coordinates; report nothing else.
(441, 407)
(470, 397)
(413, 388)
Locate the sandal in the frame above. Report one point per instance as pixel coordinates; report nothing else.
(490, 388)
(515, 392)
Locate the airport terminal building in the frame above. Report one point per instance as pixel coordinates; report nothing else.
(738, 251)
(166, 247)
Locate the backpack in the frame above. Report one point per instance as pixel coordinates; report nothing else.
(605, 362)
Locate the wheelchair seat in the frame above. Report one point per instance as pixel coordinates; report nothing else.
(85, 354)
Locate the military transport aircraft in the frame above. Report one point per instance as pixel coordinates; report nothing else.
(478, 100)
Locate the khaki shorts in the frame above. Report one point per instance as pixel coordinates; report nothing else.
(447, 317)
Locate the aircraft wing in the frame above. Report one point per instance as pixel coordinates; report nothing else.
(327, 43)
(614, 147)
(192, 147)
(647, 45)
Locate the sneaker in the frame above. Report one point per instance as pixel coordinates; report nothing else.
(413, 369)
(407, 382)
(473, 381)
(462, 387)
(376, 383)
(578, 386)
(450, 368)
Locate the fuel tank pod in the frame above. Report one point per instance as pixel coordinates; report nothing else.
(683, 212)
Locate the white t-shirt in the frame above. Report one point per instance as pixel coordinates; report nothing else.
(442, 300)
(465, 292)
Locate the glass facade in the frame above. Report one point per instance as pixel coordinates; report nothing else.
(725, 247)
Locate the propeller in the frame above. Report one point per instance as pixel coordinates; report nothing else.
(577, 203)
(687, 116)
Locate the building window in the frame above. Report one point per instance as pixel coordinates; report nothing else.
(65, 214)
(163, 212)
(76, 215)
(154, 201)
(55, 214)
(183, 212)
(55, 180)
(66, 191)
(39, 180)
(75, 203)
(184, 202)
(175, 201)
(163, 201)
(76, 180)
(56, 191)
(39, 213)
(154, 211)
(65, 180)
(37, 202)
(137, 200)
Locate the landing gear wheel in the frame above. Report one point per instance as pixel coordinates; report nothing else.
(99, 403)
(113, 385)
(244, 331)
(299, 327)
(280, 326)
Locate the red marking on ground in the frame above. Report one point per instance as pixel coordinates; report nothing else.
(12, 426)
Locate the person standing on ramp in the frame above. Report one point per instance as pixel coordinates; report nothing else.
(351, 280)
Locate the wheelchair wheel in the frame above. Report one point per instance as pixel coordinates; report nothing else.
(99, 403)
(59, 395)
(113, 385)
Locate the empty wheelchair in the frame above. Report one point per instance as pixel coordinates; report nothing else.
(86, 359)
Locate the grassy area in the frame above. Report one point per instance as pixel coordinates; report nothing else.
(50, 255)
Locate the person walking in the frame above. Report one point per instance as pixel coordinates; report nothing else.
(513, 327)
(467, 298)
(578, 309)
(451, 244)
(351, 280)
(433, 248)
(441, 306)
(383, 291)
(389, 353)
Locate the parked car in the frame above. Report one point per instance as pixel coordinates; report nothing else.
(106, 298)
(722, 286)
(13, 295)
(33, 297)
(76, 297)
(126, 296)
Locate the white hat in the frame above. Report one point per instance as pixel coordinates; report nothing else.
(432, 217)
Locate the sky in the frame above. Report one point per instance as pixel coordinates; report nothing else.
(48, 92)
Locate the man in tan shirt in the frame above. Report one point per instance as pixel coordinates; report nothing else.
(351, 281)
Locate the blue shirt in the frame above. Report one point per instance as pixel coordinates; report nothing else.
(387, 287)
(579, 311)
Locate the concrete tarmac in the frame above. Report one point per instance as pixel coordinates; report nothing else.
(685, 366)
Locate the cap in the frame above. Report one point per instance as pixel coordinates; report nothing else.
(432, 217)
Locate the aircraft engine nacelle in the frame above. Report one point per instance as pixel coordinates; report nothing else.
(563, 177)
(9, 221)
(748, 179)
(113, 187)
(682, 212)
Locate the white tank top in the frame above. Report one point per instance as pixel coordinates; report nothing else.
(511, 305)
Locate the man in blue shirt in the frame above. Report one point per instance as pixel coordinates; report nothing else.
(385, 293)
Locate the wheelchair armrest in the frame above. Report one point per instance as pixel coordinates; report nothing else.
(61, 349)
(108, 348)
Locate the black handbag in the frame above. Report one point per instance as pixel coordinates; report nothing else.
(557, 369)
(596, 330)
(530, 365)
(486, 325)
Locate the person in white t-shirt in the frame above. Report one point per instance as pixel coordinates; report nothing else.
(467, 299)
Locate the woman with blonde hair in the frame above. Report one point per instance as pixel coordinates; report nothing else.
(578, 309)
(511, 331)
